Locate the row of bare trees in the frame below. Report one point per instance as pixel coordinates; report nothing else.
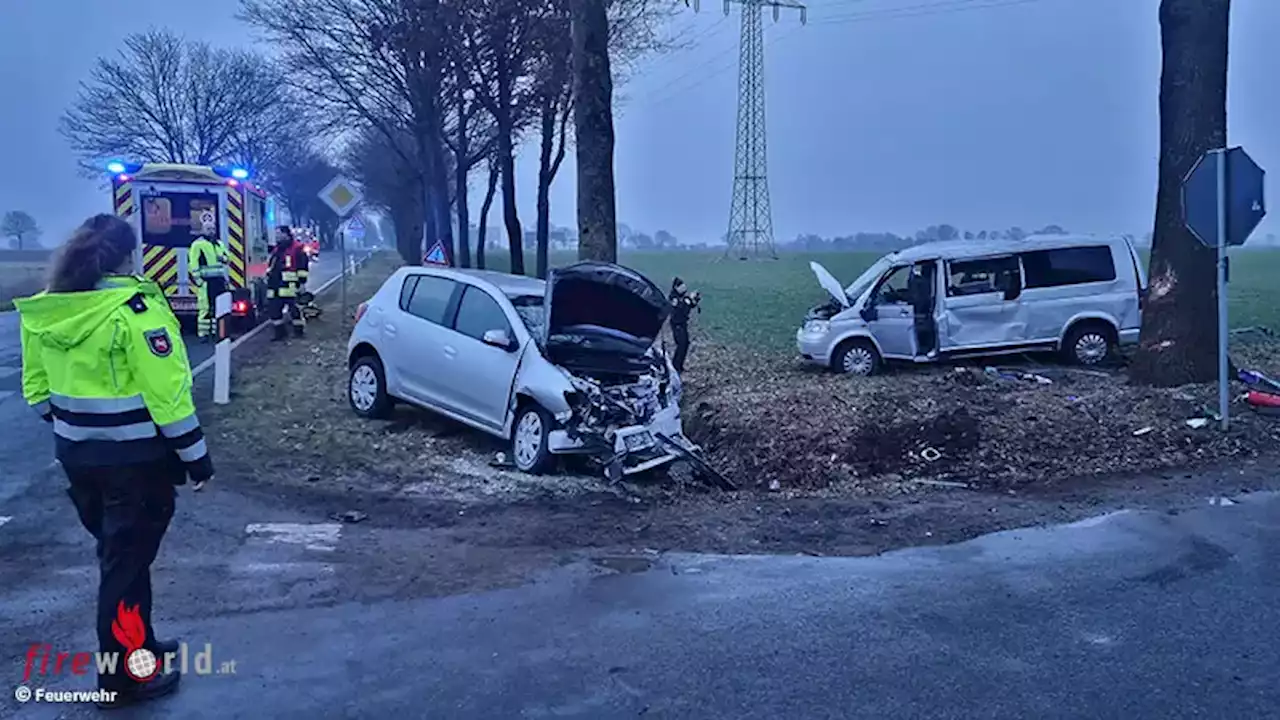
(424, 92)
(164, 98)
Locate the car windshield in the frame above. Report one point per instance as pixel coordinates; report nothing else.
(529, 308)
(865, 280)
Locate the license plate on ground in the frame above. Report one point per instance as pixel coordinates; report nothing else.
(637, 441)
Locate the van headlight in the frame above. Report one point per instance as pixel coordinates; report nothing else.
(817, 327)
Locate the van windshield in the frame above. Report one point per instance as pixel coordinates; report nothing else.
(867, 279)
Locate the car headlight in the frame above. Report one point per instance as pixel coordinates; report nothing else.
(817, 327)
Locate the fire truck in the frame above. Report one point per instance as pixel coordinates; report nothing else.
(170, 205)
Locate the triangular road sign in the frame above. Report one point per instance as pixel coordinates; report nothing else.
(436, 256)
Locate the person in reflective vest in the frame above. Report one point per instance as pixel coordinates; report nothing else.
(207, 268)
(103, 362)
(287, 274)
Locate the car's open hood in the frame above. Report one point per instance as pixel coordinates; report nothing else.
(829, 283)
(600, 309)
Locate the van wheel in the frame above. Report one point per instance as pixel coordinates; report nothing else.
(1089, 343)
(856, 357)
(367, 389)
(529, 451)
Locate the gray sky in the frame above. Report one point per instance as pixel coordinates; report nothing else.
(1032, 113)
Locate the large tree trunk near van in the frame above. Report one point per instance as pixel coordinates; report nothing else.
(1179, 320)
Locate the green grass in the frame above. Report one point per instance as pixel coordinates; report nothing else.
(758, 304)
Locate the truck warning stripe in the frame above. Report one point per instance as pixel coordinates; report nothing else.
(124, 199)
(235, 237)
(161, 265)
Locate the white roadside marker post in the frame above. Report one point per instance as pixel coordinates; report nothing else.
(222, 352)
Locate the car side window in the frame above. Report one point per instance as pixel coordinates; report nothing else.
(430, 298)
(894, 288)
(1069, 266)
(478, 313)
(976, 277)
(406, 291)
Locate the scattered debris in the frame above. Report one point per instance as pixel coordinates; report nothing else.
(930, 454)
(1142, 431)
(1197, 422)
(350, 516)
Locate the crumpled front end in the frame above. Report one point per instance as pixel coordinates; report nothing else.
(627, 423)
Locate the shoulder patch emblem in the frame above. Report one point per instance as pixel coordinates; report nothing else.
(159, 342)
(137, 304)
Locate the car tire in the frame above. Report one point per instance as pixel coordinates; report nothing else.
(856, 357)
(367, 389)
(1089, 343)
(529, 450)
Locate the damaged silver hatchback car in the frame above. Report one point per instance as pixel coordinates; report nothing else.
(566, 366)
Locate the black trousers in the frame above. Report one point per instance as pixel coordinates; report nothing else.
(285, 311)
(127, 509)
(681, 335)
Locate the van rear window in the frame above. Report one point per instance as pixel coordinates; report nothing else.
(1068, 266)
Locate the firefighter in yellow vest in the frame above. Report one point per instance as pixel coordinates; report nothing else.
(103, 362)
(207, 268)
(287, 274)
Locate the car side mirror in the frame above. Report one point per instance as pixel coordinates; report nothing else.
(499, 339)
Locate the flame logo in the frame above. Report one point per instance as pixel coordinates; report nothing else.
(131, 631)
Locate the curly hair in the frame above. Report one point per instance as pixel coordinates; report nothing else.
(97, 248)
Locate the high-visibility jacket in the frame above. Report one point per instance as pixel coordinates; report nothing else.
(205, 259)
(288, 271)
(108, 368)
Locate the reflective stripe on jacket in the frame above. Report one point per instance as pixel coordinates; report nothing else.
(109, 369)
(205, 259)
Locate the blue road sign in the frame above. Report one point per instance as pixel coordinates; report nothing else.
(355, 228)
(436, 256)
(1245, 202)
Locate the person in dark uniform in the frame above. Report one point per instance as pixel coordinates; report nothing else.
(103, 362)
(922, 293)
(683, 303)
(287, 274)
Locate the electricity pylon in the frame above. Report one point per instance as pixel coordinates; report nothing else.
(750, 215)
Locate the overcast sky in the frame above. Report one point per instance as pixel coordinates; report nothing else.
(883, 114)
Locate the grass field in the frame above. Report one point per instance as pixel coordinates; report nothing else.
(759, 304)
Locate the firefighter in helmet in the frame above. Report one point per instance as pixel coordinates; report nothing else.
(207, 268)
(287, 273)
(103, 362)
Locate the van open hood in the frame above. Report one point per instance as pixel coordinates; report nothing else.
(829, 283)
(601, 317)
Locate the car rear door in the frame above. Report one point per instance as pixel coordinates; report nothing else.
(418, 344)
(981, 307)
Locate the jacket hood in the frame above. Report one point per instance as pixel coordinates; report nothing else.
(65, 320)
(597, 298)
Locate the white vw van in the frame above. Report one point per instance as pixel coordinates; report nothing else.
(1079, 295)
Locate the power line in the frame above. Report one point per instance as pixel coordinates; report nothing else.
(944, 7)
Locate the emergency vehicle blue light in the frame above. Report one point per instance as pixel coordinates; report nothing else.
(115, 167)
(239, 173)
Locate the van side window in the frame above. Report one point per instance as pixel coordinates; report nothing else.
(977, 277)
(1068, 266)
(894, 288)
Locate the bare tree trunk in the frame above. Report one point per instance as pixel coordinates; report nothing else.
(510, 217)
(545, 177)
(1179, 320)
(462, 151)
(489, 192)
(593, 126)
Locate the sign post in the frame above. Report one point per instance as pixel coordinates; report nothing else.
(1222, 203)
(343, 198)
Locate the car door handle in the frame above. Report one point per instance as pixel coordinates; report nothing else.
(389, 329)
(450, 351)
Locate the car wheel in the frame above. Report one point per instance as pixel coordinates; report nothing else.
(367, 389)
(856, 357)
(1089, 344)
(529, 452)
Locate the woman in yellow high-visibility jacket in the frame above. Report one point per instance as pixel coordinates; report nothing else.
(103, 361)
